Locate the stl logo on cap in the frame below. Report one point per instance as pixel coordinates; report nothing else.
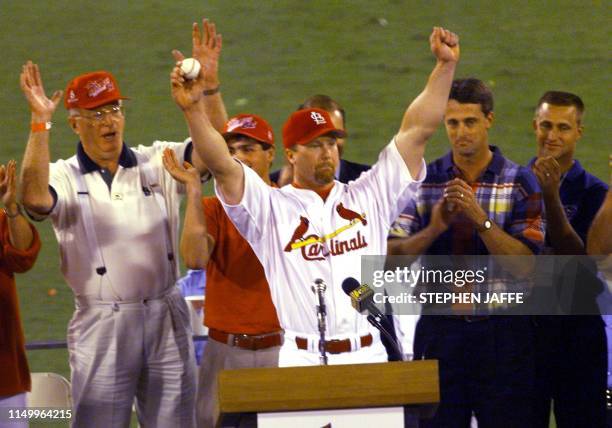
(304, 126)
(318, 118)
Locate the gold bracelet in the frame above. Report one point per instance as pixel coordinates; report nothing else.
(213, 91)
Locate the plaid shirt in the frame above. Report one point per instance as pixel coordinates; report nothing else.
(507, 192)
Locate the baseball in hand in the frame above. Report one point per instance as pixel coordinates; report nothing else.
(190, 68)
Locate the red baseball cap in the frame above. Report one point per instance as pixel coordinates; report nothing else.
(303, 126)
(92, 90)
(249, 125)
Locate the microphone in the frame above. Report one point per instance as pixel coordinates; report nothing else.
(362, 299)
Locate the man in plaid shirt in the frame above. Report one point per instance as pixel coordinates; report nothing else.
(474, 201)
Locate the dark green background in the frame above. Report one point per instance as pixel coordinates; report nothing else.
(372, 56)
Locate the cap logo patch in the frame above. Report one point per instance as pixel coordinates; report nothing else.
(318, 118)
(241, 122)
(96, 87)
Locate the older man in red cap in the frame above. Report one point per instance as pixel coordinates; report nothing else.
(243, 327)
(115, 213)
(330, 246)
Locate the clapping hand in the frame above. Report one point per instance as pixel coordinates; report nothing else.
(8, 185)
(548, 172)
(461, 197)
(186, 174)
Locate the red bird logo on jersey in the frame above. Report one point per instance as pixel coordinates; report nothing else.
(298, 233)
(350, 215)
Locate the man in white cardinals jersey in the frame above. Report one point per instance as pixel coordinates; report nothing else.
(318, 227)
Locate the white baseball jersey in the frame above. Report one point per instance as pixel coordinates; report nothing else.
(298, 237)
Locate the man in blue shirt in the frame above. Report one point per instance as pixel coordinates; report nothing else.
(571, 350)
(193, 289)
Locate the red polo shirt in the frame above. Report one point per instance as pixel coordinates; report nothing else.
(14, 370)
(237, 294)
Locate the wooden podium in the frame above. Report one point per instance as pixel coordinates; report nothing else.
(356, 386)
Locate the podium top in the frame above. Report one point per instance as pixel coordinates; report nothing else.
(329, 387)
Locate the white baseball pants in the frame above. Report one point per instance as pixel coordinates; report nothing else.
(119, 351)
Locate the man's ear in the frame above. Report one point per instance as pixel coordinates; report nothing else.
(72, 121)
(270, 154)
(490, 119)
(290, 155)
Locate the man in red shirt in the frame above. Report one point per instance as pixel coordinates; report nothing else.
(243, 326)
(19, 246)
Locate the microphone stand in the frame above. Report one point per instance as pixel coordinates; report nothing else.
(319, 288)
(379, 326)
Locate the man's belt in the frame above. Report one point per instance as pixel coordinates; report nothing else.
(247, 341)
(336, 346)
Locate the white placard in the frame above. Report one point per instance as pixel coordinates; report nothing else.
(388, 417)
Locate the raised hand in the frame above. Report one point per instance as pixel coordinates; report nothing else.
(186, 93)
(444, 45)
(185, 174)
(8, 185)
(206, 48)
(32, 86)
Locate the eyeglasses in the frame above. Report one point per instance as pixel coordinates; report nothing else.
(114, 112)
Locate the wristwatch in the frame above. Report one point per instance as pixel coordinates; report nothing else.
(485, 225)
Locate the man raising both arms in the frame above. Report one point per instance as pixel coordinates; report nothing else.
(318, 227)
(115, 213)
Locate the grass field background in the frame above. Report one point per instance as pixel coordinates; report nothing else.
(372, 56)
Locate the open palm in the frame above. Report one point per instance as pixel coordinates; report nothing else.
(206, 48)
(32, 87)
(185, 174)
